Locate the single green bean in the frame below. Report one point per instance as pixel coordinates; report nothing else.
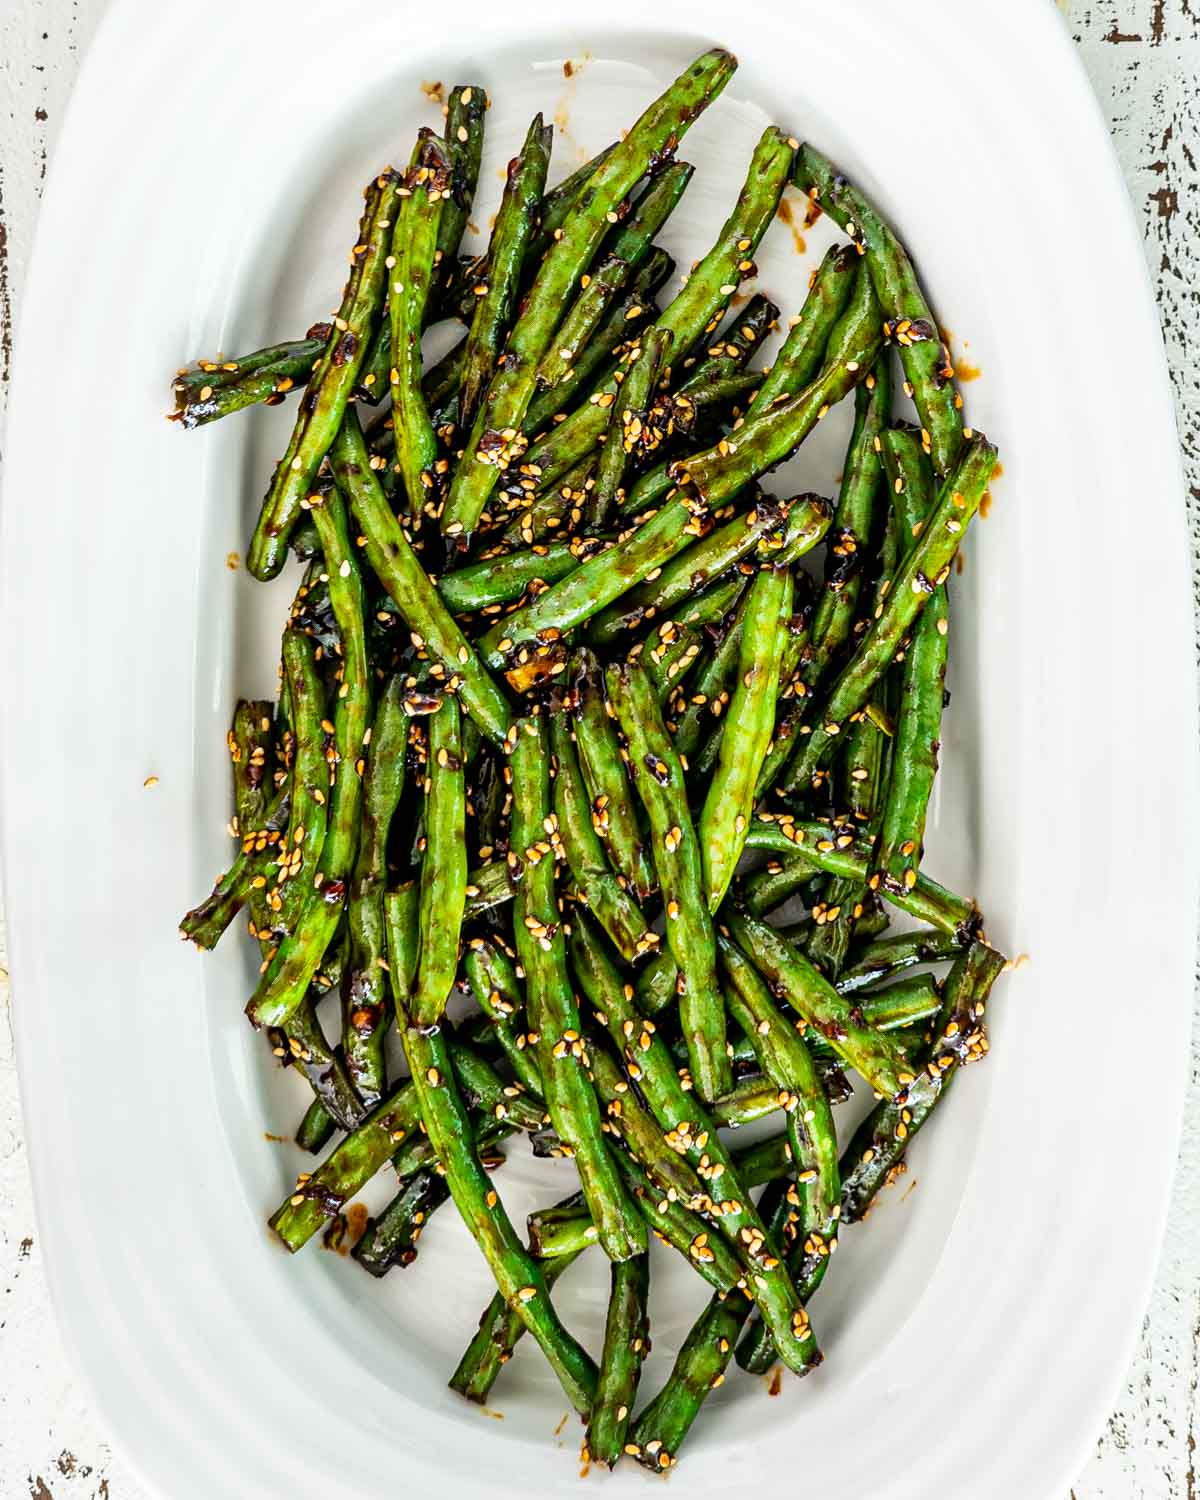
(597, 885)
(901, 840)
(395, 564)
(626, 1344)
(658, 779)
(837, 849)
(909, 322)
(628, 429)
(799, 358)
(466, 109)
(926, 566)
(414, 244)
(333, 378)
(729, 800)
(496, 987)
(515, 225)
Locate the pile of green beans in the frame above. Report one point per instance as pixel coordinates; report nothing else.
(581, 776)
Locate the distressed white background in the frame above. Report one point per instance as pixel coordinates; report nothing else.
(1143, 57)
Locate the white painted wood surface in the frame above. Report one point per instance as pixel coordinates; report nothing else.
(1143, 57)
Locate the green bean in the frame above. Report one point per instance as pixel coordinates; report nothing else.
(659, 782)
(690, 1132)
(766, 1161)
(466, 109)
(909, 322)
(656, 982)
(488, 886)
(711, 691)
(292, 968)
(494, 983)
(365, 1010)
(495, 439)
(414, 243)
(628, 428)
(613, 811)
(626, 1344)
(924, 568)
(316, 1129)
(666, 656)
(593, 365)
(219, 389)
(799, 358)
(251, 743)
(751, 1098)
(958, 1037)
(500, 1330)
(836, 849)
(515, 225)
(854, 518)
(552, 1008)
(487, 1094)
(864, 773)
(208, 922)
(870, 1052)
(598, 887)
(567, 1228)
(366, 991)
(334, 376)
(705, 560)
(391, 1239)
(506, 576)
(308, 787)
(712, 604)
(729, 801)
(901, 838)
(671, 1175)
(444, 866)
(560, 1229)
(538, 512)
(628, 247)
(396, 566)
(221, 373)
(728, 355)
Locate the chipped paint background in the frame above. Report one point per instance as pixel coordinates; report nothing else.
(1143, 57)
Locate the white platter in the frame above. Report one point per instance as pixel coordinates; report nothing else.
(202, 199)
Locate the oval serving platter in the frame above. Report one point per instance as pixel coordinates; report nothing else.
(199, 201)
